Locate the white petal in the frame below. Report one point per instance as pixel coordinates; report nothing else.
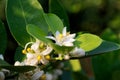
(35, 46)
(29, 55)
(57, 33)
(68, 44)
(69, 40)
(17, 63)
(78, 52)
(2, 76)
(51, 37)
(59, 43)
(71, 36)
(1, 57)
(37, 75)
(31, 61)
(47, 51)
(64, 31)
(44, 61)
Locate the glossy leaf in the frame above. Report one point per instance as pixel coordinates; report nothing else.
(19, 68)
(37, 32)
(88, 41)
(54, 23)
(19, 56)
(106, 46)
(3, 38)
(61, 49)
(23, 12)
(3, 63)
(57, 8)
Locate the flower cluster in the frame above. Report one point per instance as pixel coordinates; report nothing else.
(41, 53)
(37, 53)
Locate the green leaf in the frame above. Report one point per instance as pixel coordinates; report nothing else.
(19, 56)
(88, 41)
(37, 32)
(106, 46)
(57, 8)
(20, 69)
(3, 38)
(54, 23)
(61, 49)
(23, 12)
(3, 63)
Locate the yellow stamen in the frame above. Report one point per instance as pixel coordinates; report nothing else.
(24, 51)
(28, 49)
(41, 45)
(47, 57)
(39, 57)
(43, 77)
(60, 35)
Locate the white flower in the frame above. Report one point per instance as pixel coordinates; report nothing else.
(37, 53)
(64, 39)
(35, 58)
(77, 52)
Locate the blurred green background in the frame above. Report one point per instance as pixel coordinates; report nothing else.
(100, 17)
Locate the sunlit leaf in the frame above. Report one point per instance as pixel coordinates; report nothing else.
(3, 38)
(54, 23)
(57, 8)
(88, 41)
(23, 12)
